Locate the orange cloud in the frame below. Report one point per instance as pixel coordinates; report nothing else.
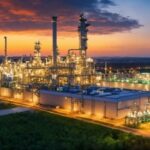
(35, 15)
(22, 12)
(5, 3)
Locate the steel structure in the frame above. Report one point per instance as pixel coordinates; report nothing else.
(73, 69)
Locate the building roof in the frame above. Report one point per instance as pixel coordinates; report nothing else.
(122, 95)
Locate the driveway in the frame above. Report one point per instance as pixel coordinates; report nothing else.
(13, 111)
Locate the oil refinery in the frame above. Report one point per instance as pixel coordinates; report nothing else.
(71, 82)
(74, 69)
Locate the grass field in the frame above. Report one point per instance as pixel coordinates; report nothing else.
(43, 131)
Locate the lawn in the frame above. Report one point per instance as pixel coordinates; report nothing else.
(6, 105)
(43, 131)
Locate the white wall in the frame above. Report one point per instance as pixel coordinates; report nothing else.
(101, 109)
(47, 99)
(18, 94)
(6, 92)
(28, 96)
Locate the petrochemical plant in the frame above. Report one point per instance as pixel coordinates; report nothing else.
(74, 69)
(72, 83)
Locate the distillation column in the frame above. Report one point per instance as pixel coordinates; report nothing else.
(37, 54)
(82, 29)
(87, 66)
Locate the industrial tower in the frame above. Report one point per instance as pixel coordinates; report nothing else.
(82, 29)
(5, 49)
(54, 38)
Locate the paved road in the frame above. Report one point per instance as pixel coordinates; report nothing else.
(13, 111)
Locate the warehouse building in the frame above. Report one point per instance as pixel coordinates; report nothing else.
(112, 103)
(109, 103)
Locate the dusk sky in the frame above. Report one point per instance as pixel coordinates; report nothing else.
(118, 27)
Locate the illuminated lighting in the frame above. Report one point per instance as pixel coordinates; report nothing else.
(39, 72)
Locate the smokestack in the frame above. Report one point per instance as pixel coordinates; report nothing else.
(5, 50)
(54, 19)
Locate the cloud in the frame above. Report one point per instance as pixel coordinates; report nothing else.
(22, 12)
(18, 15)
(106, 3)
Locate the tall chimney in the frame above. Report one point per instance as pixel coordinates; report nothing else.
(5, 50)
(54, 19)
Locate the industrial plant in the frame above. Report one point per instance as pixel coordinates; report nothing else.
(71, 82)
(74, 69)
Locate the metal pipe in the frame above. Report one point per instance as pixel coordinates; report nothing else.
(73, 50)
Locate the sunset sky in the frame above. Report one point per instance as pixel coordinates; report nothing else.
(118, 27)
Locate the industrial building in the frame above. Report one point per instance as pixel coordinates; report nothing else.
(95, 101)
(98, 101)
(73, 69)
(67, 82)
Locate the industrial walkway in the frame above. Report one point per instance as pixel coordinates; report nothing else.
(13, 111)
(60, 112)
